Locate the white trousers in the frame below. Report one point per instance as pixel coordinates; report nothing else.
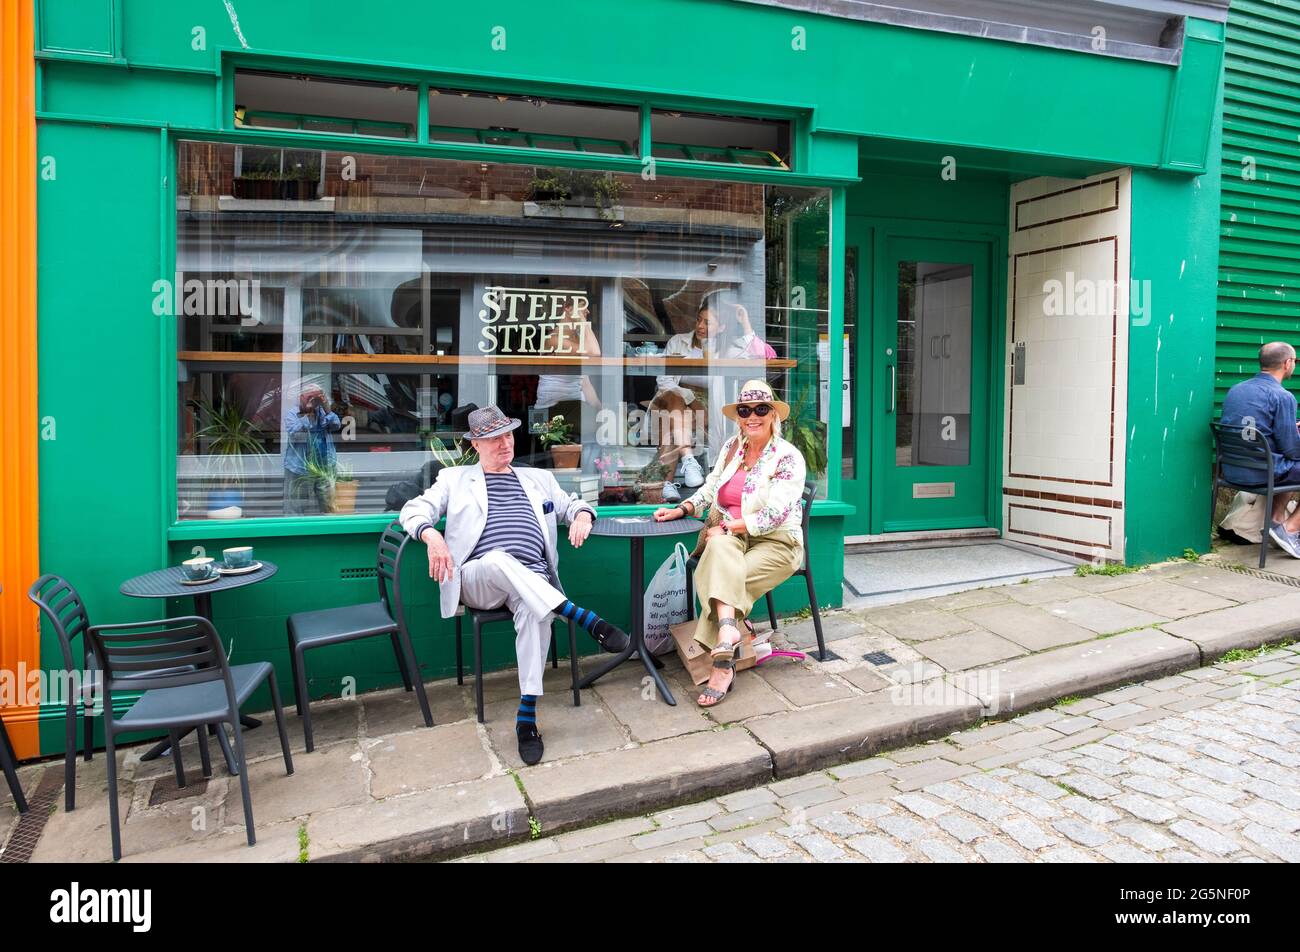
(499, 579)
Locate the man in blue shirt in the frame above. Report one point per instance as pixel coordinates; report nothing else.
(307, 438)
(1262, 406)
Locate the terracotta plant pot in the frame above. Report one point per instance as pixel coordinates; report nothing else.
(345, 496)
(567, 456)
(652, 492)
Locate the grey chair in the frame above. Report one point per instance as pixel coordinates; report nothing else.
(806, 500)
(1234, 445)
(332, 626)
(481, 617)
(65, 610)
(198, 687)
(9, 763)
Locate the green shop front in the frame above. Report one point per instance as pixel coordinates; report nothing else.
(972, 244)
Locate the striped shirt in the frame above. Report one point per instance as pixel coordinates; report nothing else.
(511, 524)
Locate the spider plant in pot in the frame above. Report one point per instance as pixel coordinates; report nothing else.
(557, 436)
(454, 453)
(807, 433)
(229, 439)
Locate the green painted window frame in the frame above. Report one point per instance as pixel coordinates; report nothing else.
(227, 131)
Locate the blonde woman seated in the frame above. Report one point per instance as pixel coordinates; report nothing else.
(758, 482)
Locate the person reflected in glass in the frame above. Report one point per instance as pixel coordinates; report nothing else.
(309, 454)
(757, 543)
(682, 407)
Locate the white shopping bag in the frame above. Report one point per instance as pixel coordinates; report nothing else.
(665, 601)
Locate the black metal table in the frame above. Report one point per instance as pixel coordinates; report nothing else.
(170, 583)
(636, 529)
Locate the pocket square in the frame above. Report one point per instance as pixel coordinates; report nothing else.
(548, 506)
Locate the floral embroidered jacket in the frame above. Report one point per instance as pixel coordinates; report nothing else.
(770, 499)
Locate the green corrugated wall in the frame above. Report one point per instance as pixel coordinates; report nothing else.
(1259, 254)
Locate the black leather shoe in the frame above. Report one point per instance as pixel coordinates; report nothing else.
(530, 743)
(613, 640)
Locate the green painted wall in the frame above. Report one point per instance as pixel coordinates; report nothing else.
(105, 220)
(1259, 288)
(1171, 365)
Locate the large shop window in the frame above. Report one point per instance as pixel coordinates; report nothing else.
(331, 340)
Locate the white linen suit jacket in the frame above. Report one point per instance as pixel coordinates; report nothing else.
(460, 495)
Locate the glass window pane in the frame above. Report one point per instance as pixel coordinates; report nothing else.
(711, 138)
(459, 115)
(325, 104)
(934, 353)
(351, 341)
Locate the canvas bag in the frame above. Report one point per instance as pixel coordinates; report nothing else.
(665, 601)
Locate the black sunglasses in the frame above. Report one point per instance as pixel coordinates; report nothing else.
(762, 410)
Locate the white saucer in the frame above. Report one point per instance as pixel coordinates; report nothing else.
(222, 570)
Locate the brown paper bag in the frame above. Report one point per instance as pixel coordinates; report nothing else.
(695, 657)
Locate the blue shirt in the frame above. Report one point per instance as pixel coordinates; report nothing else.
(309, 438)
(1271, 408)
(512, 524)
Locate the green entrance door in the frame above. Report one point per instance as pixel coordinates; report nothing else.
(929, 358)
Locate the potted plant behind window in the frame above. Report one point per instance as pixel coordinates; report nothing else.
(345, 489)
(230, 438)
(807, 434)
(575, 193)
(650, 481)
(557, 435)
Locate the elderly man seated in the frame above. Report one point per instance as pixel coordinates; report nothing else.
(1261, 405)
(500, 549)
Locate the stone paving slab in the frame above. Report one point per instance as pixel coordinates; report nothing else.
(847, 730)
(1242, 626)
(1025, 683)
(431, 823)
(632, 781)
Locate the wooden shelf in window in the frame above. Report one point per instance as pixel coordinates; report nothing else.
(431, 360)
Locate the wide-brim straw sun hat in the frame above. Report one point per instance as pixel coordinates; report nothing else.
(754, 392)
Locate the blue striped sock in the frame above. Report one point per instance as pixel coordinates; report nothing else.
(584, 617)
(527, 709)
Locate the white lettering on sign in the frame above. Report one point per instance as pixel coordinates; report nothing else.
(527, 321)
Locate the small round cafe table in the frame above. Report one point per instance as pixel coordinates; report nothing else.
(637, 529)
(170, 583)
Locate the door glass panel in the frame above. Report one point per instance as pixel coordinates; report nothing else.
(847, 423)
(934, 372)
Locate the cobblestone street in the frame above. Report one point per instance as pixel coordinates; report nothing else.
(1199, 767)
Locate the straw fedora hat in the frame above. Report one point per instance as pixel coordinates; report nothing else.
(757, 391)
(489, 422)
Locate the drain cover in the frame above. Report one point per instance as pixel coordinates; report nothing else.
(879, 657)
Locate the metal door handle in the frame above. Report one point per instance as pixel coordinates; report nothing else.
(893, 388)
(934, 341)
(946, 338)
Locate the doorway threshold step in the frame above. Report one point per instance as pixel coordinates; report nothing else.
(904, 574)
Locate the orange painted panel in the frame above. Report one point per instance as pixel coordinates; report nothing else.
(20, 643)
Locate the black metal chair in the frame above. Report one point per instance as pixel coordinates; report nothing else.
(488, 616)
(332, 626)
(1243, 447)
(809, 492)
(65, 610)
(197, 688)
(9, 763)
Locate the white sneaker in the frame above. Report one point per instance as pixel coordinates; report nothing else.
(1285, 540)
(691, 473)
(671, 494)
